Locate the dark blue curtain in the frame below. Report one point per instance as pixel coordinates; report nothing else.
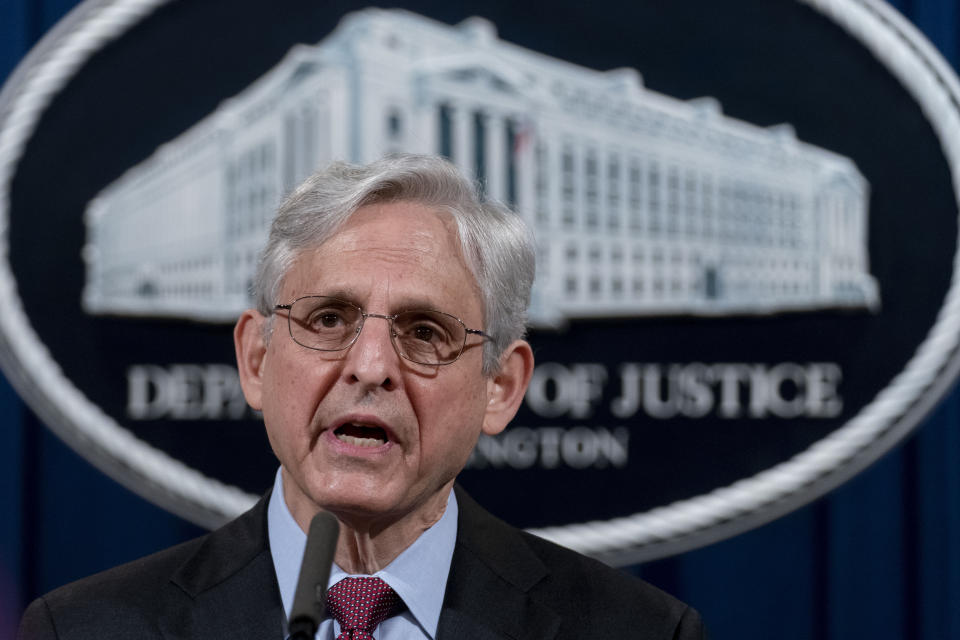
(877, 558)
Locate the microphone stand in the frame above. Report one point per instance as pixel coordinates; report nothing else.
(309, 600)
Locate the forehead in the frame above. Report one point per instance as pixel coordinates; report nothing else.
(403, 249)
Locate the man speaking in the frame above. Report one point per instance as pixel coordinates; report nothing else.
(388, 335)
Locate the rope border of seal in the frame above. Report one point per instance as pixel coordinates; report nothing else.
(661, 531)
(27, 362)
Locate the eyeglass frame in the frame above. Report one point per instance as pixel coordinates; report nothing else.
(389, 318)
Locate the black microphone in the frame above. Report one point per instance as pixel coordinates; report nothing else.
(310, 599)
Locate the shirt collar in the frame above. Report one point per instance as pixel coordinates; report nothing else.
(418, 574)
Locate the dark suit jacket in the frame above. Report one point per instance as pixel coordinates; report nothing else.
(503, 583)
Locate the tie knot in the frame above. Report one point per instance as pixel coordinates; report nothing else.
(360, 604)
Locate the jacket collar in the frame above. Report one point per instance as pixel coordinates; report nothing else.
(230, 580)
(488, 591)
(230, 585)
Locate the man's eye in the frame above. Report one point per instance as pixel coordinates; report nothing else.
(326, 320)
(424, 333)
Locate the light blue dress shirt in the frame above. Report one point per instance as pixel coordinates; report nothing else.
(418, 575)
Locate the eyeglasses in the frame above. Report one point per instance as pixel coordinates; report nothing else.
(423, 336)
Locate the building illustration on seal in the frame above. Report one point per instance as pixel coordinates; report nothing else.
(641, 203)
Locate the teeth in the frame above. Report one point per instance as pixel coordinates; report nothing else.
(359, 442)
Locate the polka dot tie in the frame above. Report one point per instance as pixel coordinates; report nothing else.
(360, 604)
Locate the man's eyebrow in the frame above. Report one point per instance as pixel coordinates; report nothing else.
(342, 294)
(407, 303)
(414, 303)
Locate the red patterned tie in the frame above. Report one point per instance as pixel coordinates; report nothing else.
(360, 604)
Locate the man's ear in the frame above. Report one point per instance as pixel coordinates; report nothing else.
(251, 350)
(506, 387)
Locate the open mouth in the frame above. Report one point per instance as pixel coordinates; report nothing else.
(361, 435)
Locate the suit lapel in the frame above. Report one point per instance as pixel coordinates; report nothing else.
(228, 588)
(491, 575)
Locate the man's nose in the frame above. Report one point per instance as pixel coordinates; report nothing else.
(372, 360)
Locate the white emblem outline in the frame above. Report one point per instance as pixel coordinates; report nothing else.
(662, 531)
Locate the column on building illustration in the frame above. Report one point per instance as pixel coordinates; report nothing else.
(494, 161)
(299, 144)
(464, 135)
(523, 176)
(541, 206)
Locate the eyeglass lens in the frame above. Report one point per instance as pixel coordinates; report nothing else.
(331, 324)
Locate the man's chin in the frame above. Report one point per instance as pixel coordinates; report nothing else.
(365, 515)
(380, 509)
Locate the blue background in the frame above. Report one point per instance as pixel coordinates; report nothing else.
(877, 558)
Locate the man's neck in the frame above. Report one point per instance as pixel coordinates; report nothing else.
(367, 545)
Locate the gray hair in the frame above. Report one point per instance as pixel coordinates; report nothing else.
(497, 246)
